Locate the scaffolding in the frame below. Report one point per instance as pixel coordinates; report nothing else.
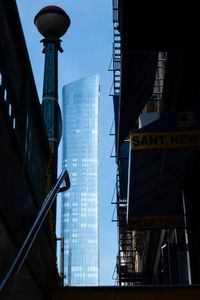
(125, 270)
(115, 65)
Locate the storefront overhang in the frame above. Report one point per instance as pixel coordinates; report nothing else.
(145, 29)
(159, 158)
(156, 182)
(123, 161)
(137, 79)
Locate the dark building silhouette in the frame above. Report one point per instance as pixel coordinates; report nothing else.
(156, 105)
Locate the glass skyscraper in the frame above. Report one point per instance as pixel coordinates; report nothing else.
(79, 225)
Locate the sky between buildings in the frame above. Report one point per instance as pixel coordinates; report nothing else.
(87, 50)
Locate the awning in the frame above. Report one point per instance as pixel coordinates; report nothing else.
(147, 27)
(123, 161)
(137, 79)
(157, 170)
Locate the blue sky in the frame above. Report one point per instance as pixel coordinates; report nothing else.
(87, 50)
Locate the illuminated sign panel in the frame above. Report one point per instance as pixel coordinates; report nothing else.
(159, 140)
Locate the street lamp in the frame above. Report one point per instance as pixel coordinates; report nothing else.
(52, 22)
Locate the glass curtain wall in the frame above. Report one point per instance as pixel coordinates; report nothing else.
(79, 225)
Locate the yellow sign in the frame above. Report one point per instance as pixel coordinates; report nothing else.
(157, 140)
(152, 222)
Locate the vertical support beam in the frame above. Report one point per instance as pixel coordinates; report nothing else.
(61, 259)
(70, 267)
(191, 193)
(50, 107)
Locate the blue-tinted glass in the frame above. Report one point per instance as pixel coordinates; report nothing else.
(80, 202)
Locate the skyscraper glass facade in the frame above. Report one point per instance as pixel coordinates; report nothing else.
(79, 225)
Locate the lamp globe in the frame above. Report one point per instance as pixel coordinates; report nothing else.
(52, 21)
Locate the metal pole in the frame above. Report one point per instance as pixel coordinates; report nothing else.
(186, 241)
(61, 259)
(50, 106)
(51, 112)
(69, 267)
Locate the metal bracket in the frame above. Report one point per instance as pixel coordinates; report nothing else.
(67, 183)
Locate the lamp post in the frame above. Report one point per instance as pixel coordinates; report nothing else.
(52, 22)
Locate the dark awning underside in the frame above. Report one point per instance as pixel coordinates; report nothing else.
(137, 78)
(147, 27)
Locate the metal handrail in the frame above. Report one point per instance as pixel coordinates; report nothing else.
(30, 238)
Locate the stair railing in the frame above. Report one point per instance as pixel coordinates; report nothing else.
(30, 238)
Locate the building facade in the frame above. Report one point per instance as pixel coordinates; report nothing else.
(156, 209)
(80, 203)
